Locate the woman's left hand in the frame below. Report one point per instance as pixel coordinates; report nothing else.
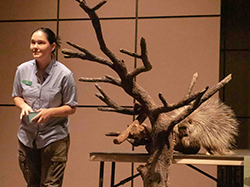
(42, 116)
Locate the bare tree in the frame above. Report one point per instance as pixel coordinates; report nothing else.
(159, 137)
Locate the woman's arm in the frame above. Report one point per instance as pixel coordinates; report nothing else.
(45, 114)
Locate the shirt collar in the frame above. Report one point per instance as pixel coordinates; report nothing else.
(49, 67)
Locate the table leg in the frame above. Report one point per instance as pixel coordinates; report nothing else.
(113, 174)
(101, 174)
(230, 176)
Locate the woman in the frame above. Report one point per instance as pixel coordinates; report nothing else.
(45, 86)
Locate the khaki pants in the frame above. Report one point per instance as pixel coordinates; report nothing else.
(44, 167)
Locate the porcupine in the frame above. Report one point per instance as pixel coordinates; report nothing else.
(213, 125)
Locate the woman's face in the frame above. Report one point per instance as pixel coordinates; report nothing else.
(40, 47)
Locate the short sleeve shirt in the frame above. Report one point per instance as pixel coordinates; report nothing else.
(58, 89)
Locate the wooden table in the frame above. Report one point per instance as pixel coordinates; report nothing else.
(229, 167)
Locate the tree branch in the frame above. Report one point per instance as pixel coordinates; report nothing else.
(114, 107)
(200, 99)
(189, 109)
(86, 55)
(130, 53)
(105, 98)
(163, 100)
(192, 83)
(106, 79)
(118, 65)
(123, 110)
(216, 88)
(144, 56)
(183, 102)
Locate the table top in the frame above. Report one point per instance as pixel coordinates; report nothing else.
(236, 159)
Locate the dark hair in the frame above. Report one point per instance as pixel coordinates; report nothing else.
(51, 37)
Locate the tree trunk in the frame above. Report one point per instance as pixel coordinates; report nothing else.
(156, 172)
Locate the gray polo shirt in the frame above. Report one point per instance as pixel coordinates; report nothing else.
(58, 89)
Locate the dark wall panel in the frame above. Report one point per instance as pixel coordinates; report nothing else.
(235, 59)
(243, 140)
(238, 90)
(236, 25)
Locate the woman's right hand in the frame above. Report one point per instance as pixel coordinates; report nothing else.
(25, 110)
